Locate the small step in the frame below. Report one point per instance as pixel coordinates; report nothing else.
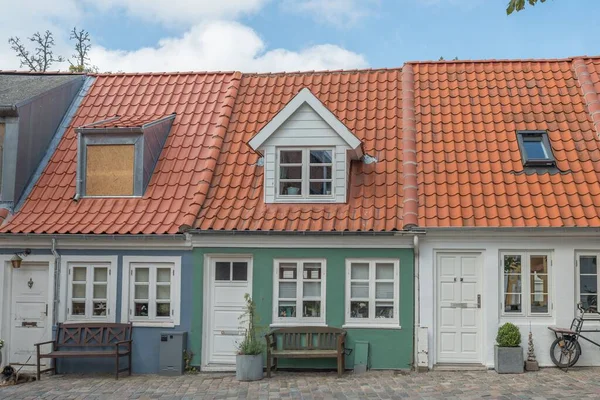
(459, 367)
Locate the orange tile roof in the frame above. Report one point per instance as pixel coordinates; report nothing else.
(202, 102)
(470, 171)
(369, 104)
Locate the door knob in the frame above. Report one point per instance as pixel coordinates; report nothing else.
(478, 301)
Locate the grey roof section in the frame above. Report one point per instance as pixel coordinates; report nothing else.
(18, 88)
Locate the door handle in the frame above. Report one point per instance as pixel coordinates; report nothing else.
(46, 312)
(478, 301)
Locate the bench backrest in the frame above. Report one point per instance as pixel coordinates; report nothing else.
(78, 335)
(307, 337)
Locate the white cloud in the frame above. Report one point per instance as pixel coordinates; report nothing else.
(338, 12)
(224, 45)
(188, 12)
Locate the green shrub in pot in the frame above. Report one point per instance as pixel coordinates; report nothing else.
(508, 335)
(508, 354)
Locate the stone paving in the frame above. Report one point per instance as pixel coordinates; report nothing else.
(550, 383)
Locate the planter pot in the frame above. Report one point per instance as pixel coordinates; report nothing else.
(508, 360)
(248, 368)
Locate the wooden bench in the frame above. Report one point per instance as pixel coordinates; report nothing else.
(306, 342)
(89, 340)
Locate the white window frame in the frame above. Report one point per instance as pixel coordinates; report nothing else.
(525, 283)
(152, 262)
(67, 264)
(377, 323)
(299, 320)
(305, 185)
(578, 255)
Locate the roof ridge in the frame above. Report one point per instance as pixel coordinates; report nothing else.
(323, 71)
(165, 73)
(590, 95)
(16, 72)
(217, 139)
(410, 217)
(501, 60)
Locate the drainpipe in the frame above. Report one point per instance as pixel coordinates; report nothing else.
(417, 322)
(56, 283)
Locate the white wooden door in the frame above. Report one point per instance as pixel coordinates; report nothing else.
(459, 308)
(30, 320)
(230, 280)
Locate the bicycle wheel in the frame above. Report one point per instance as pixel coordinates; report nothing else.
(565, 352)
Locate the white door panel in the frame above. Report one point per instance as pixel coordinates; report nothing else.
(459, 315)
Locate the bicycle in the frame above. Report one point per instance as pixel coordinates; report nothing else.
(566, 350)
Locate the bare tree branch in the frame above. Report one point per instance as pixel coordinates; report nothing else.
(25, 58)
(44, 55)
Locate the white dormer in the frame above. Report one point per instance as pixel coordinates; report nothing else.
(307, 153)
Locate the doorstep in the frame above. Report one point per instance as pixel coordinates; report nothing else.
(460, 367)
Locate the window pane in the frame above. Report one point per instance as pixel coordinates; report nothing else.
(287, 271)
(589, 301)
(320, 172)
(384, 310)
(320, 188)
(534, 148)
(538, 264)
(359, 271)
(240, 271)
(290, 156)
(512, 303)
(142, 275)
(100, 274)
(512, 283)
(588, 283)
(312, 271)
(163, 309)
(290, 173)
(359, 290)
(79, 290)
(588, 265)
(223, 271)
(384, 271)
(141, 292)
(287, 290)
(163, 274)
(99, 309)
(78, 308)
(538, 283)
(359, 309)
(512, 264)
(141, 309)
(100, 291)
(79, 274)
(539, 303)
(287, 309)
(312, 289)
(290, 188)
(311, 309)
(320, 156)
(109, 170)
(163, 292)
(384, 290)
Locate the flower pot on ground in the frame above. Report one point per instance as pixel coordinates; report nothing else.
(508, 354)
(249, 360)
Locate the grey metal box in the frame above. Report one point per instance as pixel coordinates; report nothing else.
(172, 346)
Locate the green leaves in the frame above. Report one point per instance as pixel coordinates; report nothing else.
(508, 335)
(518, 5)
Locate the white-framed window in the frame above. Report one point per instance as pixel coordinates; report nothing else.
(587, 282)
(89, 288)
(305, 173)
(526, 288)
(372, 293)
(299, 291)
(151, 291)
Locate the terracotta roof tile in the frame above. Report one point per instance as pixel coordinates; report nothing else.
(470, 171)
(174, 188)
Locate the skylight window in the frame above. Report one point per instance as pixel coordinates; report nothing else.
(535, 149)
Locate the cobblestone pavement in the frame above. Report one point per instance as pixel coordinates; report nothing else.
(551, 383)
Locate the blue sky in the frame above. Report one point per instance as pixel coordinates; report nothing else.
(307, 34)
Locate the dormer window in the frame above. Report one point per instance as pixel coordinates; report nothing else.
(305, 173)
(535, 149)
(117, 156)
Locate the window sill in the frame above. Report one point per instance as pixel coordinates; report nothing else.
(298, 323)
(354, 325)
(153, 324)
(89, 321)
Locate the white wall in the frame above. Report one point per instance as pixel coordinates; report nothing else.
(563, 250)
(306, 128)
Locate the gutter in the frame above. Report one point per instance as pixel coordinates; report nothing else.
(306, 233)
(417, 296)
(56, 283)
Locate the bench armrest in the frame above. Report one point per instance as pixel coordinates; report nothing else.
(42, 343)
(271, 342)
(122, 342)
(341, 341)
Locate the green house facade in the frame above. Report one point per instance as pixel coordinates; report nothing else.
(215, 327)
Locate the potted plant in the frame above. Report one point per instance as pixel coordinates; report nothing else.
(249, 359)
(508, 354)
